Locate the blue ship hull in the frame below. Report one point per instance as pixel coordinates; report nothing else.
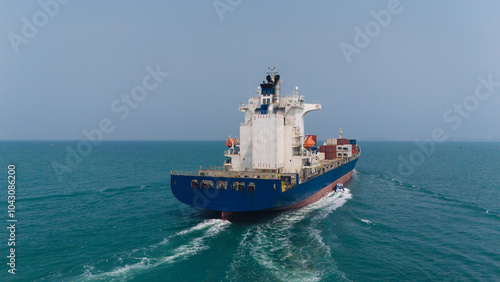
(267, 195)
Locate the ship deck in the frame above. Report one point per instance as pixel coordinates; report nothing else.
(304, 175)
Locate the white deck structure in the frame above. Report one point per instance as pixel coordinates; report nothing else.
(273, 134)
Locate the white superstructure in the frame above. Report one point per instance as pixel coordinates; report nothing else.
(272, 135)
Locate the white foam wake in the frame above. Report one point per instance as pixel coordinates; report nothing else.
(290, 247)
(215, 226)
(366, 221)
(153, 256)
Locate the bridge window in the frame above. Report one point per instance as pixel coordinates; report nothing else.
(222, 185)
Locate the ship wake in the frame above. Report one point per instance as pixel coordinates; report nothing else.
(290, 247)
(175, 248)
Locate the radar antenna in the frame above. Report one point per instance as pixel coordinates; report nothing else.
(271, 68)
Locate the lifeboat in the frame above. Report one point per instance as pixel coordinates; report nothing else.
(309, 143)
(230, 141)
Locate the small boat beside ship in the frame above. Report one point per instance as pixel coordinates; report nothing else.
(274, 165)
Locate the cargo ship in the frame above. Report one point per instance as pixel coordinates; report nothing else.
(273, 165)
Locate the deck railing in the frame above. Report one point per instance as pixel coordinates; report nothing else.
(308, 172)
(230, 174)
(184, 172)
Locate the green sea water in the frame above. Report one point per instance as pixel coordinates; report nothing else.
(110, 216)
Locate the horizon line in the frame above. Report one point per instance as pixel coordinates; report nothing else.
(223, 140)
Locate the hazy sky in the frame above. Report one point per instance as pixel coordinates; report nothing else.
(66, 68)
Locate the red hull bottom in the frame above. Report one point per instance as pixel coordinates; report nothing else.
(226, 215)
(320, 194)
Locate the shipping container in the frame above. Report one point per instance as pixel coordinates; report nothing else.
(347, 147)
(328, 148)
(344, 154)
(330, 156)
(331, 141)
(342, 141)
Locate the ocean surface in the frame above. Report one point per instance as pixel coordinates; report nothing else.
(110, 216)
